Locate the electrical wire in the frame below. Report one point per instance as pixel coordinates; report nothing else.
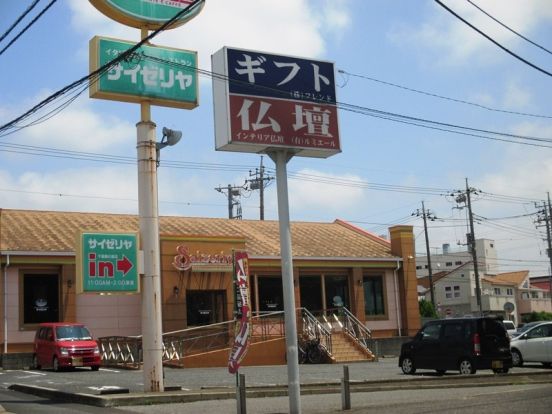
(27, 27)
(18, 20)
(508, 28)
(434, 95)
(4, 129)
(492, 40)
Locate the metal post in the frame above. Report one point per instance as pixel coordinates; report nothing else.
(548, 215)
(345, 389)
(152, 336)
(281, 158)
(240, 395)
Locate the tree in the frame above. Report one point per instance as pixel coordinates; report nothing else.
(427, 310)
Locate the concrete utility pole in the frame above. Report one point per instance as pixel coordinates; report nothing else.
(426, 214)
(549, 237)
(232, 193)
(466, 198)
(258, 183)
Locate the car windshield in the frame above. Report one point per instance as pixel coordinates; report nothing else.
(72, 333)
(526, 327)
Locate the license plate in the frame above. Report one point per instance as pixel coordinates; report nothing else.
(77, 362)
(497, 364)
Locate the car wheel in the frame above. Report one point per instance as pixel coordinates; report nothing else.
(517, 360)
(95, 367)
(407, 366)
(441, 371)
(55, 364)
(36, 365)
(466, 367)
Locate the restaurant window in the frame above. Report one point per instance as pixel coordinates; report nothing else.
(40, 298)
(374, 302)
(271, 297)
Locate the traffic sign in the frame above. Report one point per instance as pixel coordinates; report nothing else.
(107, 263)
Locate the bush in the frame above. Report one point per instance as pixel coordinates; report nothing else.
(536, 316)
(427, 310)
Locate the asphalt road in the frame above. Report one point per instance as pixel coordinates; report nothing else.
(449, 393)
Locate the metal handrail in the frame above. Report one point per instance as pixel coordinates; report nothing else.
(312, 328)
(127, 350)
(356, 329)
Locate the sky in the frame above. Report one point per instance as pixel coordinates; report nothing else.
(409, 58)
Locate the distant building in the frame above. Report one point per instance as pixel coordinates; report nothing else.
(450, 259)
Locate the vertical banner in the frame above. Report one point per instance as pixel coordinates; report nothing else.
(243, 311)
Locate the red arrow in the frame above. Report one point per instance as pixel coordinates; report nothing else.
(124, 265)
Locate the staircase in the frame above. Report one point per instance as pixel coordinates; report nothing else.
(344, 349)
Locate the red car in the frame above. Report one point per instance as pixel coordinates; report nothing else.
(65, 345)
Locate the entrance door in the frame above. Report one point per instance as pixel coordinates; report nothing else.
(205, 307)
(337, 291)
(311, 293)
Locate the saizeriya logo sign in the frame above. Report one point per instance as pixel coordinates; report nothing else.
(184, 261)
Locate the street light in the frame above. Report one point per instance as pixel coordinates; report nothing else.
(170, 138)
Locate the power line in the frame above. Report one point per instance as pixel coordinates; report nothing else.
(28, 26)
(507, 27)
(406, 119)
(18, 20)
(97, 73)
(434, 95)
(492, 40)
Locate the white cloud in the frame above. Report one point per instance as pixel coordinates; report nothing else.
(317, 197)
(516, 97)
(457, 43)
(292, 27)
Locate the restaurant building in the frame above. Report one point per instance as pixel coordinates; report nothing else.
(335, 264)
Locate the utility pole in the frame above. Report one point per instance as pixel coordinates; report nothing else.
(549, 237)
(466, 198)
(258, 183)
(426, 214)
(546, 216)
(233, 193)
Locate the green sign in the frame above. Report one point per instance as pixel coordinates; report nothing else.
(150, 14)
(108, 263)
(164, 76)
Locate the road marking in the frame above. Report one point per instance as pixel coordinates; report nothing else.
(109, 370)
(105, 388)
(34, 373)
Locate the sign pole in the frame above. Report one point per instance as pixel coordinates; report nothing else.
(281, 158)
(152, 337)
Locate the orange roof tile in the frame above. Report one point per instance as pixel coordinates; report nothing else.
(513, 277)
(53, 231)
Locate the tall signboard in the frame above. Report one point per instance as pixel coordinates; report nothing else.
(165, 76)
(268, 102)
(150, 14)
(107, 263)
(161, 77)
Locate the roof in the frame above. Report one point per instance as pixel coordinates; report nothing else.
(516, 278)
(54, 231)
(492, 280)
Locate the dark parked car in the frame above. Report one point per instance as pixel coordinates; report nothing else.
(463, 344)
(65, 345)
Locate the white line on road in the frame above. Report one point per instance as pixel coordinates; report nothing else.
(34, 373)
(109, 370)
